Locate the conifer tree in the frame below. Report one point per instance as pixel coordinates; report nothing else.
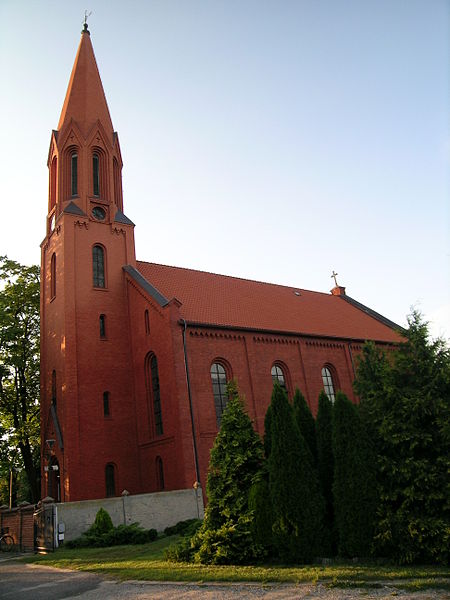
(325, 461)
(354, 486)
(268, 431)
(305, 422)
(405, 399)
(294, 489)
(236, 457)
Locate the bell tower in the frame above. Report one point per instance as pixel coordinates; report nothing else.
(89, 447)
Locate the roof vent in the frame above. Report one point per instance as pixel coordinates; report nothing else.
(296, 292)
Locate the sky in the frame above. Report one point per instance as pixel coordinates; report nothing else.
(275, 140)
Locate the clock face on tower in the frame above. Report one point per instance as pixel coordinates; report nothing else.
(99, 213)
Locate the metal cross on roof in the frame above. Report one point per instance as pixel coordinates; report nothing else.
(334, 275)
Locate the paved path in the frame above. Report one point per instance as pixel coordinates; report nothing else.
(20, 581)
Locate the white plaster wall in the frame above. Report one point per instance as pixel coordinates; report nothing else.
(157, 511)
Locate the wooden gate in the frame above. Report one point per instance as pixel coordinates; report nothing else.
(44, 528)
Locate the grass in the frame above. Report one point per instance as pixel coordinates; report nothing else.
(146, 562)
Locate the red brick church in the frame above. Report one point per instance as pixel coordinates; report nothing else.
(135, 356)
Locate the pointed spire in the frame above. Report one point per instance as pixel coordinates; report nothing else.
(85, 100)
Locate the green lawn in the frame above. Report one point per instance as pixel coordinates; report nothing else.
(146, 562)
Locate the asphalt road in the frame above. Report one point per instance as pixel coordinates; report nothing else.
(19, 581)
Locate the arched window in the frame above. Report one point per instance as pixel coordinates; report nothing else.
(153, 392)
(74, 174)
(110, 480)
(106, 410)
(102, 326)
(278, 376)
(53, 276)
(146, 322)
(219, 385)
(54, 387)
(328, 384)
(98, 266)
(159, 473)
(96, 174)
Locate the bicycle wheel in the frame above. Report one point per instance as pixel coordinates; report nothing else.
(7, 543)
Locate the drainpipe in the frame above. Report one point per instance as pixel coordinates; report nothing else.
(194, 440)
(351, 358)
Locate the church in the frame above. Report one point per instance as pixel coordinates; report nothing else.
(135, 356)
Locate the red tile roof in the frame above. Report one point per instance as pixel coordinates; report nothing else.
(213, 299)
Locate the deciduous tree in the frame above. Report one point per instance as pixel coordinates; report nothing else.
(19, 367)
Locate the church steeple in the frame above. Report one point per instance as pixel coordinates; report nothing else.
(84, 159)
(85, 100)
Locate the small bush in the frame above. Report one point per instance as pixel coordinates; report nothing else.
(101, 535)
(102, 524)
(183, 551)
(185, 528)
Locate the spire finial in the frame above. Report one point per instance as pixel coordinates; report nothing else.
(85, 25)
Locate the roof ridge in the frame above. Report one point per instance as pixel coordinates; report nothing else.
(279, 285)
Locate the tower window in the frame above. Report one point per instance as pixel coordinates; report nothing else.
(74, 174)
(98, 266)
(53, 175)
(219, 385)
(328, 384)
(278, 376)
(96, 174)
(102, 326)
(154, 393)
(53, 276)
(147, 322)
(110, 480)
(106, 410)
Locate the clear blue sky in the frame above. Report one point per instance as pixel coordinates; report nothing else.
(269, 139)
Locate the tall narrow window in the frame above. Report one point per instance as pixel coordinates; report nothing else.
(110, 480)
(219, 385)
(153, 394)
(278, 376)
(54, 388)
(96, 174)
(98, 266)
(157, 413)
(159, 473)
(53, 176)
(147, 322)
(102, 325)
(106, 411)
(53, 276)
(328, 384)
(117, 184)
(74, 174)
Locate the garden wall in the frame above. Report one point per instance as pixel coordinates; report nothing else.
(157, 511)
(18, 522)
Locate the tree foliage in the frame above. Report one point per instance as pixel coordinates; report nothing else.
(305, 422)
(325, 463)
(354, 486)
(405, 400)
(236, 458)
(294, 489)
(19, 370)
